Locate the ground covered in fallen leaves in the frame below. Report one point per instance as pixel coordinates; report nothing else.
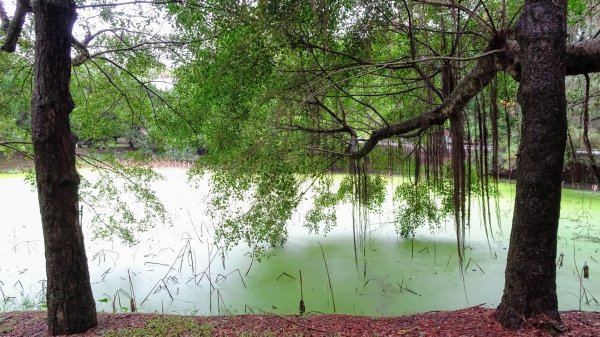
(475, 322)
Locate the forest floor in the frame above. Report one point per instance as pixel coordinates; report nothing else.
(470, 322)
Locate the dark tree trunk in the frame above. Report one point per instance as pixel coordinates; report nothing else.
(530, 278)
(71, 306)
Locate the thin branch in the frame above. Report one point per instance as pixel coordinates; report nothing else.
(15, 143)
(341, 154)
(135, 2)
(453, 4)
(314, 130)
(407, 64)
(489, 16)
(441, 58)
(345, 92)
(473, 83)
(110, 80)
(9, 145)
(151, 92)
(413, 52)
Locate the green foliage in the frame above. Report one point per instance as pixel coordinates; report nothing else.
(324, 201)
(108, 194)
(110, 103)
(253, 208)
(367, 191)
(424, 203)
(15, 100)
(166, 326)
(577, 10)
(260, 77)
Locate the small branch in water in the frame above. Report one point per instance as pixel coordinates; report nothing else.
(468, 263)
(157, 263)
(224, 277)
(219, 296)
(302, 307)
(180, 255)
(105, 273)
(250, 266)
(328, 277)
(286, 274)
(403, 287)
(412, 291)
(168, 291)
(132, 302)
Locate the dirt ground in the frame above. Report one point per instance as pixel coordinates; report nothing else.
(471, 322)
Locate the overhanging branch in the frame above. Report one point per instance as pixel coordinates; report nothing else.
(483, 72)
(582, 57)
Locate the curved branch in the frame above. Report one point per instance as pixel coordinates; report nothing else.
(582, 57)
(151, 93)
(471, 85)
(9, 145)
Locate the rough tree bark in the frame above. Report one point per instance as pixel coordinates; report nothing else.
(530, 286)
(71, 306)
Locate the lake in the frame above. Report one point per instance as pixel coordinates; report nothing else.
(176, 269)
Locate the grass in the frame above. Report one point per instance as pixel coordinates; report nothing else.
(168, 326)
(173, 326)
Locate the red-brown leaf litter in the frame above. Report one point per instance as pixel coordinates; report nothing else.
(470, 322)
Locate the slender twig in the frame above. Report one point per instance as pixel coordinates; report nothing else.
(328, 276)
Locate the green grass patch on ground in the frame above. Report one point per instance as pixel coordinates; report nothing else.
(167, 326)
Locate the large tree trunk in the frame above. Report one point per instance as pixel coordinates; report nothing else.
(71, 306)
(530, 278)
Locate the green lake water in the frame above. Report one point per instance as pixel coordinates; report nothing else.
(170, 270)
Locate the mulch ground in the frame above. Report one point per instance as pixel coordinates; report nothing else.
(471, 322)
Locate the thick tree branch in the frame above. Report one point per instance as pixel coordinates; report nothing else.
(583, 57)
(83, 52)
(16, 25)
(4, 17)
(483, 72)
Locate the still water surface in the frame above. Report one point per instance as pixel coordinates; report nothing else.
(176, 269)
